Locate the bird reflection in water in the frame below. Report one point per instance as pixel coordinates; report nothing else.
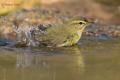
(26, 58)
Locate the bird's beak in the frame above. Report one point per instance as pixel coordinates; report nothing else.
(90, 23)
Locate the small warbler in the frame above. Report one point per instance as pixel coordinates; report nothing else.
(66, 34)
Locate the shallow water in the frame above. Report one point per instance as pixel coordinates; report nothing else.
(91, 61)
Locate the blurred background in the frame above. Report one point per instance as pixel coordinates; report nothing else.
(106, 11)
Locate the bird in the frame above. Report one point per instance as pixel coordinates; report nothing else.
(66, 34)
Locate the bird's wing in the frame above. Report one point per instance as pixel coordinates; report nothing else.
(55, 35)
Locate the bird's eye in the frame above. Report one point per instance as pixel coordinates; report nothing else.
(80, 23)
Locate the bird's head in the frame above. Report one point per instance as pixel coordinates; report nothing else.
(79, 24)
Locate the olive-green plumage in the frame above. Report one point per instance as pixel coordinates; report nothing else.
(66, 34)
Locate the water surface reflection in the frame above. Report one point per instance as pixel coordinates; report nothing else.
(90, 61)
(41, 64)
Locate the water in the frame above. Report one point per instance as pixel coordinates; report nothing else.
(90, 61)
